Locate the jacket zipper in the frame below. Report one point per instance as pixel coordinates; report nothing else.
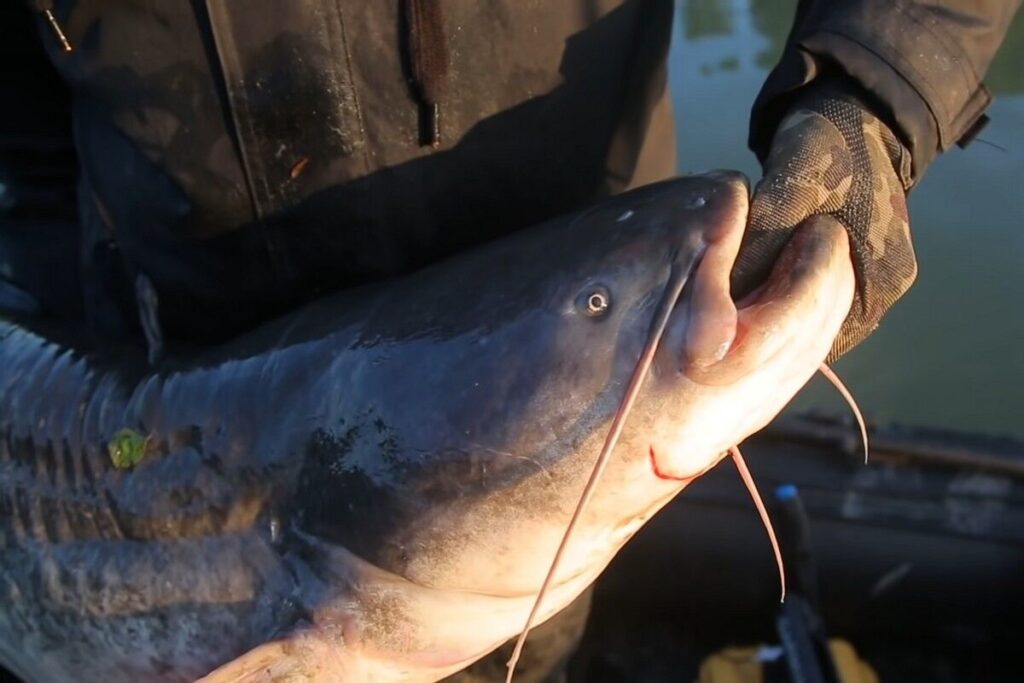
(45, 7)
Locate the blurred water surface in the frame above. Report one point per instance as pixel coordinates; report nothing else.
(951, 352)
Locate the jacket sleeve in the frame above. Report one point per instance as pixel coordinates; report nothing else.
(922, 63)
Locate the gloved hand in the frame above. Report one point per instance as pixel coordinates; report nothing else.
(830, 155)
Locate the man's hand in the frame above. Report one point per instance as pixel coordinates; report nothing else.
(831, 156)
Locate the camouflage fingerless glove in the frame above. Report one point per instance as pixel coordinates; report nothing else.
(830, 155)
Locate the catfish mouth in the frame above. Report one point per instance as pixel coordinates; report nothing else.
(777, 324)
(764, 317)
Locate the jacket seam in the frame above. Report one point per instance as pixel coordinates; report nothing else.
(356, 103)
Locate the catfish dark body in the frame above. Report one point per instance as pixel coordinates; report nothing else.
(342, 475)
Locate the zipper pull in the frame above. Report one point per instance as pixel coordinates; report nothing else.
(432, 128)
(55, 25)
(427, 52)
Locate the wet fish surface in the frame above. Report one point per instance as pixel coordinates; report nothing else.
(371, 488)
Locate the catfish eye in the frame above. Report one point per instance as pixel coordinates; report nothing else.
(594, 302)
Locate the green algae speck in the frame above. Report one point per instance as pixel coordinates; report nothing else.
(127, 448)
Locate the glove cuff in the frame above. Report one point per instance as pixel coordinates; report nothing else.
(843, 101)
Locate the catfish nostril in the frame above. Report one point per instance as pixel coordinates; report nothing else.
(697, 202)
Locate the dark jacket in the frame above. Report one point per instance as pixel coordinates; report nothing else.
(247, 156)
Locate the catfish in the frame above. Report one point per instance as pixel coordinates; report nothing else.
(372, 488)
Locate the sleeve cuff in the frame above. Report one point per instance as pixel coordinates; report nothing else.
(918, 77)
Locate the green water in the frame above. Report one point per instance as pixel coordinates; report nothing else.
(951, 353)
